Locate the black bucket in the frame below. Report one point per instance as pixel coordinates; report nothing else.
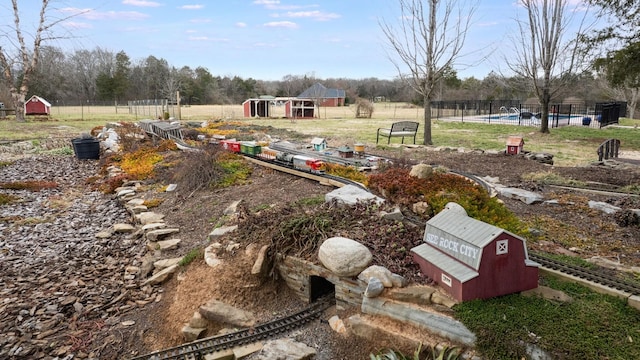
(88, 148)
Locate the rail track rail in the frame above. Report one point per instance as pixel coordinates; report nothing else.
(198, 349)
(360, 161)
(597, 277)
(605, 280)
(322, 178)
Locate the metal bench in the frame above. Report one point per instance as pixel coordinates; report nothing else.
(399, 129)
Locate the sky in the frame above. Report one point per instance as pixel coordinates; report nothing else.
(261, 39)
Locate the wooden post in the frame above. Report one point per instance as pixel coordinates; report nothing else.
(178, 104)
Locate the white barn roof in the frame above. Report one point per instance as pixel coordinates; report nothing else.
(458, 270)
(45, 102)
(453, 232)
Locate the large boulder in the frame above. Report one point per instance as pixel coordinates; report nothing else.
(421, 171)
(344, 257)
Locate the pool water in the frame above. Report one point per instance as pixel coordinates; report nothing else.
(517, 117)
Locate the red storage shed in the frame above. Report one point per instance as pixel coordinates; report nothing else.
(257, 107)
(37, 106)
(472, 259)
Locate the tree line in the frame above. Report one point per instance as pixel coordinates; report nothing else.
(428, 39)
(102, 75)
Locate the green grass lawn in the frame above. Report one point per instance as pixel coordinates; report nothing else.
(591, 326)
(570, 145)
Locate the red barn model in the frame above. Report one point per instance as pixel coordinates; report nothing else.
(37, 106)
(514, 145)
(472, 259)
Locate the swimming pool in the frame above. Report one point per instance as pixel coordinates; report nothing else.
(502, 117)
(552, 117)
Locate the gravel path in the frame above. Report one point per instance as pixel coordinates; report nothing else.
(59, 283)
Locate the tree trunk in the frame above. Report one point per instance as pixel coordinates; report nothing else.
(632, 102)
(18, 103)
(427, 121)
(545, 101)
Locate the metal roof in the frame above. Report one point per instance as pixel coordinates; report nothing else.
(514, 141)
(456, 269)
(453, 232)
(38, 98)
(318, 90)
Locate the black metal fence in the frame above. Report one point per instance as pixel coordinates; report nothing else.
(517, 113)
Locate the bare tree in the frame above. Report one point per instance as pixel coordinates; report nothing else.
(427, 42)
(23, 59)
(544, 55)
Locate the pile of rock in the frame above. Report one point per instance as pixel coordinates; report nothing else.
(68, 262)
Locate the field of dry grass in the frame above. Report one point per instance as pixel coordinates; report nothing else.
(571, 145)
(210, 112)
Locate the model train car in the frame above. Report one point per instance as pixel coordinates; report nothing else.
(298, 162)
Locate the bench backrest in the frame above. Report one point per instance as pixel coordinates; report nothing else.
(608, 149)
(405, 126)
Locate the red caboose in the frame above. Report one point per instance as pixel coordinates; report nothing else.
(230, 145)
(472, 259)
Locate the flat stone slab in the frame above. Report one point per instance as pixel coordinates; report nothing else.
(220, 312)
(168, 244)
(161, 276)
(527, 197)
(350, 195)
(165, 263)
(604, 207)
(149, 217)
(444, 326)
(123, 228)
(154, 226)
(154, 235)
(222, 230)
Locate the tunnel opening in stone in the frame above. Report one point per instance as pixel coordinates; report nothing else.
(320, 287)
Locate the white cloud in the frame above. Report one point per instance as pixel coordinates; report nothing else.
(240, 24)
(104, 15)
(77, 25)
(275, 5)
(315, 14)
(282, 24)
(142, 3)
(192, 7)
(267, 2)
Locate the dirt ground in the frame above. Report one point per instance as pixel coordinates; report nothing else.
(568, 227)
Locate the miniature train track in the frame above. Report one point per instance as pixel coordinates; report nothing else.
(594, 190)
(197, 349)
(608, 281)
(322, 178)
(360, 161)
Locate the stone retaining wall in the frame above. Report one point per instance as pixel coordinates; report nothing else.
(296, 273)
